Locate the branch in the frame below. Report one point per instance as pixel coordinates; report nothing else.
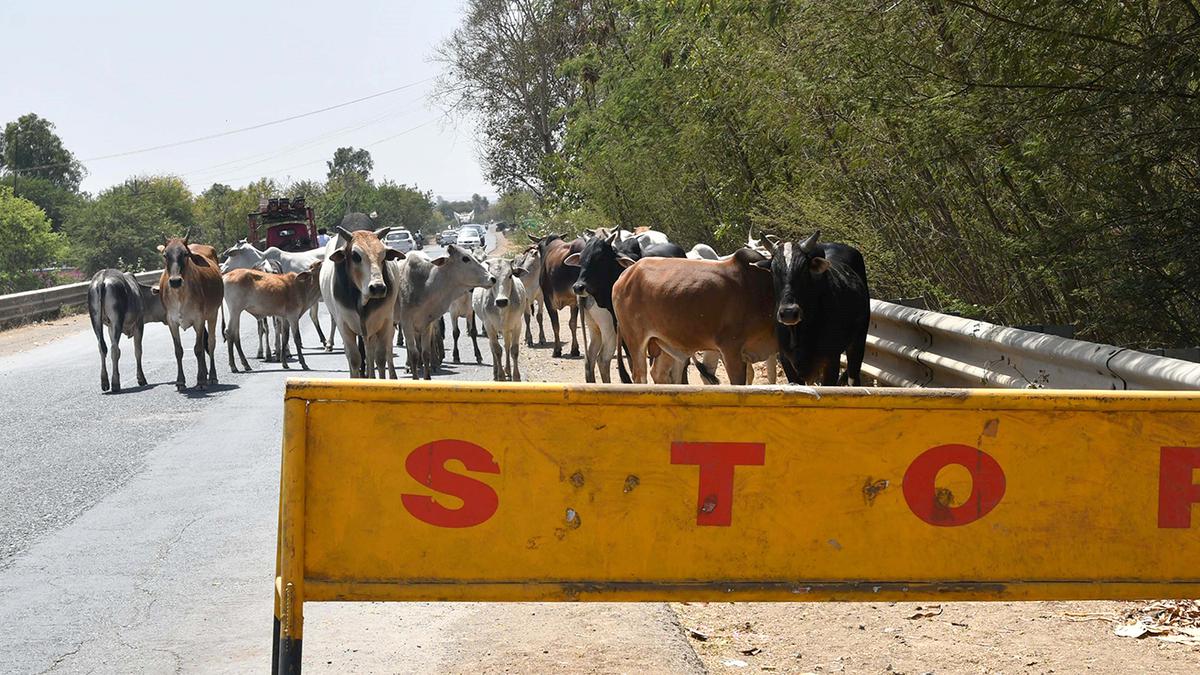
(1044, 29)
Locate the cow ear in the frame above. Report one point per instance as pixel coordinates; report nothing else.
(625, 261)
(572, 260)
(338, 255)
(393, 254)
(518, 271)
(156, 290)
(197, 259)
(438, 262)
(818, 265)
(764, 264)
(161, 248)
(382, 232)
(536, 240)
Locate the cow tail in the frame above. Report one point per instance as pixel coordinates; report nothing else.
(624, 374)
(708, 377)
(96, 310)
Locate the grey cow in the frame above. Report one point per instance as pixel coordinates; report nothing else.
(502, 308)
(427, 287)
(117, 300)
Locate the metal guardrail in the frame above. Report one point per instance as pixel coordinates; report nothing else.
(21, 307)
(909, 347)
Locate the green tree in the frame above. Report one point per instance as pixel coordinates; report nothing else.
(124, 225)
(52, 198)
(29, 243)
(401, 206)
(29, 148)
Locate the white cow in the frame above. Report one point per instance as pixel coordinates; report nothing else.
(501, 308)
(531, 261)
(427, 287)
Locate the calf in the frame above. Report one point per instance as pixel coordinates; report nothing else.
(823, 308)
(191, 291)
(427, 287)
(531, 261)
(359, 286)
(556, 282)
(244, 255)
(264, 333)
(263, 294)
(117, 300)
(501, 308)
(681, 306)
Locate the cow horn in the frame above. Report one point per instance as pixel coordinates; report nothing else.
(186, 236)
(809, 245)
(612, 238)
(768, 242)
(342, 233)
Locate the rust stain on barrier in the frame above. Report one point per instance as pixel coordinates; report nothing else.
(872, 488)
(991, 427)
(573, 520)
(631, 482)
(577, 479)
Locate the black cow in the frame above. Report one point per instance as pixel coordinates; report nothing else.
(822, 309)
(117, 300)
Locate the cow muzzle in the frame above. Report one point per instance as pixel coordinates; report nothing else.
(175, 282)
(789, 315)
(377, 289)
(502, 302)
(580, 289)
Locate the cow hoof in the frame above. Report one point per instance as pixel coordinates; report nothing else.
(575, 353)
(181, 385)
(103, 386)
(142, 382)
(557, 353)
(116, 389)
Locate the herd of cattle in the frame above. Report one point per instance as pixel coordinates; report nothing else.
(641, 296)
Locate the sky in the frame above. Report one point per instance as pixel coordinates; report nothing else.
(124, 75)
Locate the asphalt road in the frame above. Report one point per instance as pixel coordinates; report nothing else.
(137, 534)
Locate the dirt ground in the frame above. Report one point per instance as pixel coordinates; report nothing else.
(40, 333)
(962, 637)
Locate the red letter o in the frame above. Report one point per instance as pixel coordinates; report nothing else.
(932, 505)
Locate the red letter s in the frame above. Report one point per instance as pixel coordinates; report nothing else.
(427, 464)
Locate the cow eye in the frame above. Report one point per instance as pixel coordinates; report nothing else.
(466, 259)
(356, 257)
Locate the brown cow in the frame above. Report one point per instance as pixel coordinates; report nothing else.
(557, 280)
(191, 291)
(286, 296)
(682, 306)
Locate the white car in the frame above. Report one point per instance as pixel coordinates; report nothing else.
(469, 238)
(400, 240)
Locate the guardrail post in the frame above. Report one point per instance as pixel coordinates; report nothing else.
(287, 644)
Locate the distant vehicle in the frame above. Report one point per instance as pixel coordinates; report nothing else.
(479, 229)
(400, 240)
(468, 238)
(285, 223)
(447, 237)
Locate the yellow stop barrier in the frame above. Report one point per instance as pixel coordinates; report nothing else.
(470, 491)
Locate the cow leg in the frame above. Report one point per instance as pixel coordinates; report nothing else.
(210, 335)
(454, 333)
(294, 325)
(180, 383)
(608, 345)
(637, 360)
(512, 341)
(387, 355)
(233, 340)
(474, 333)
(574, 323)
(137, 354)
(854, 357)
(329, 345)
(199, 350)
(314, 315)
(115, 352)
(527, 318)
(281, 341)
(735, 366)
(427, 347)
(554, 320)
(104, 384)
(353, 360)
(264, 339)
(829, 366)
(591, 351)
(497, 355)
(541, 305)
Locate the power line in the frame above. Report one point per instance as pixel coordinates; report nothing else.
(231, 132)
(322, 161)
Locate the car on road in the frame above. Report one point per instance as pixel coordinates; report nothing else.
(469, 238)
(447, 237)
(400, 240)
